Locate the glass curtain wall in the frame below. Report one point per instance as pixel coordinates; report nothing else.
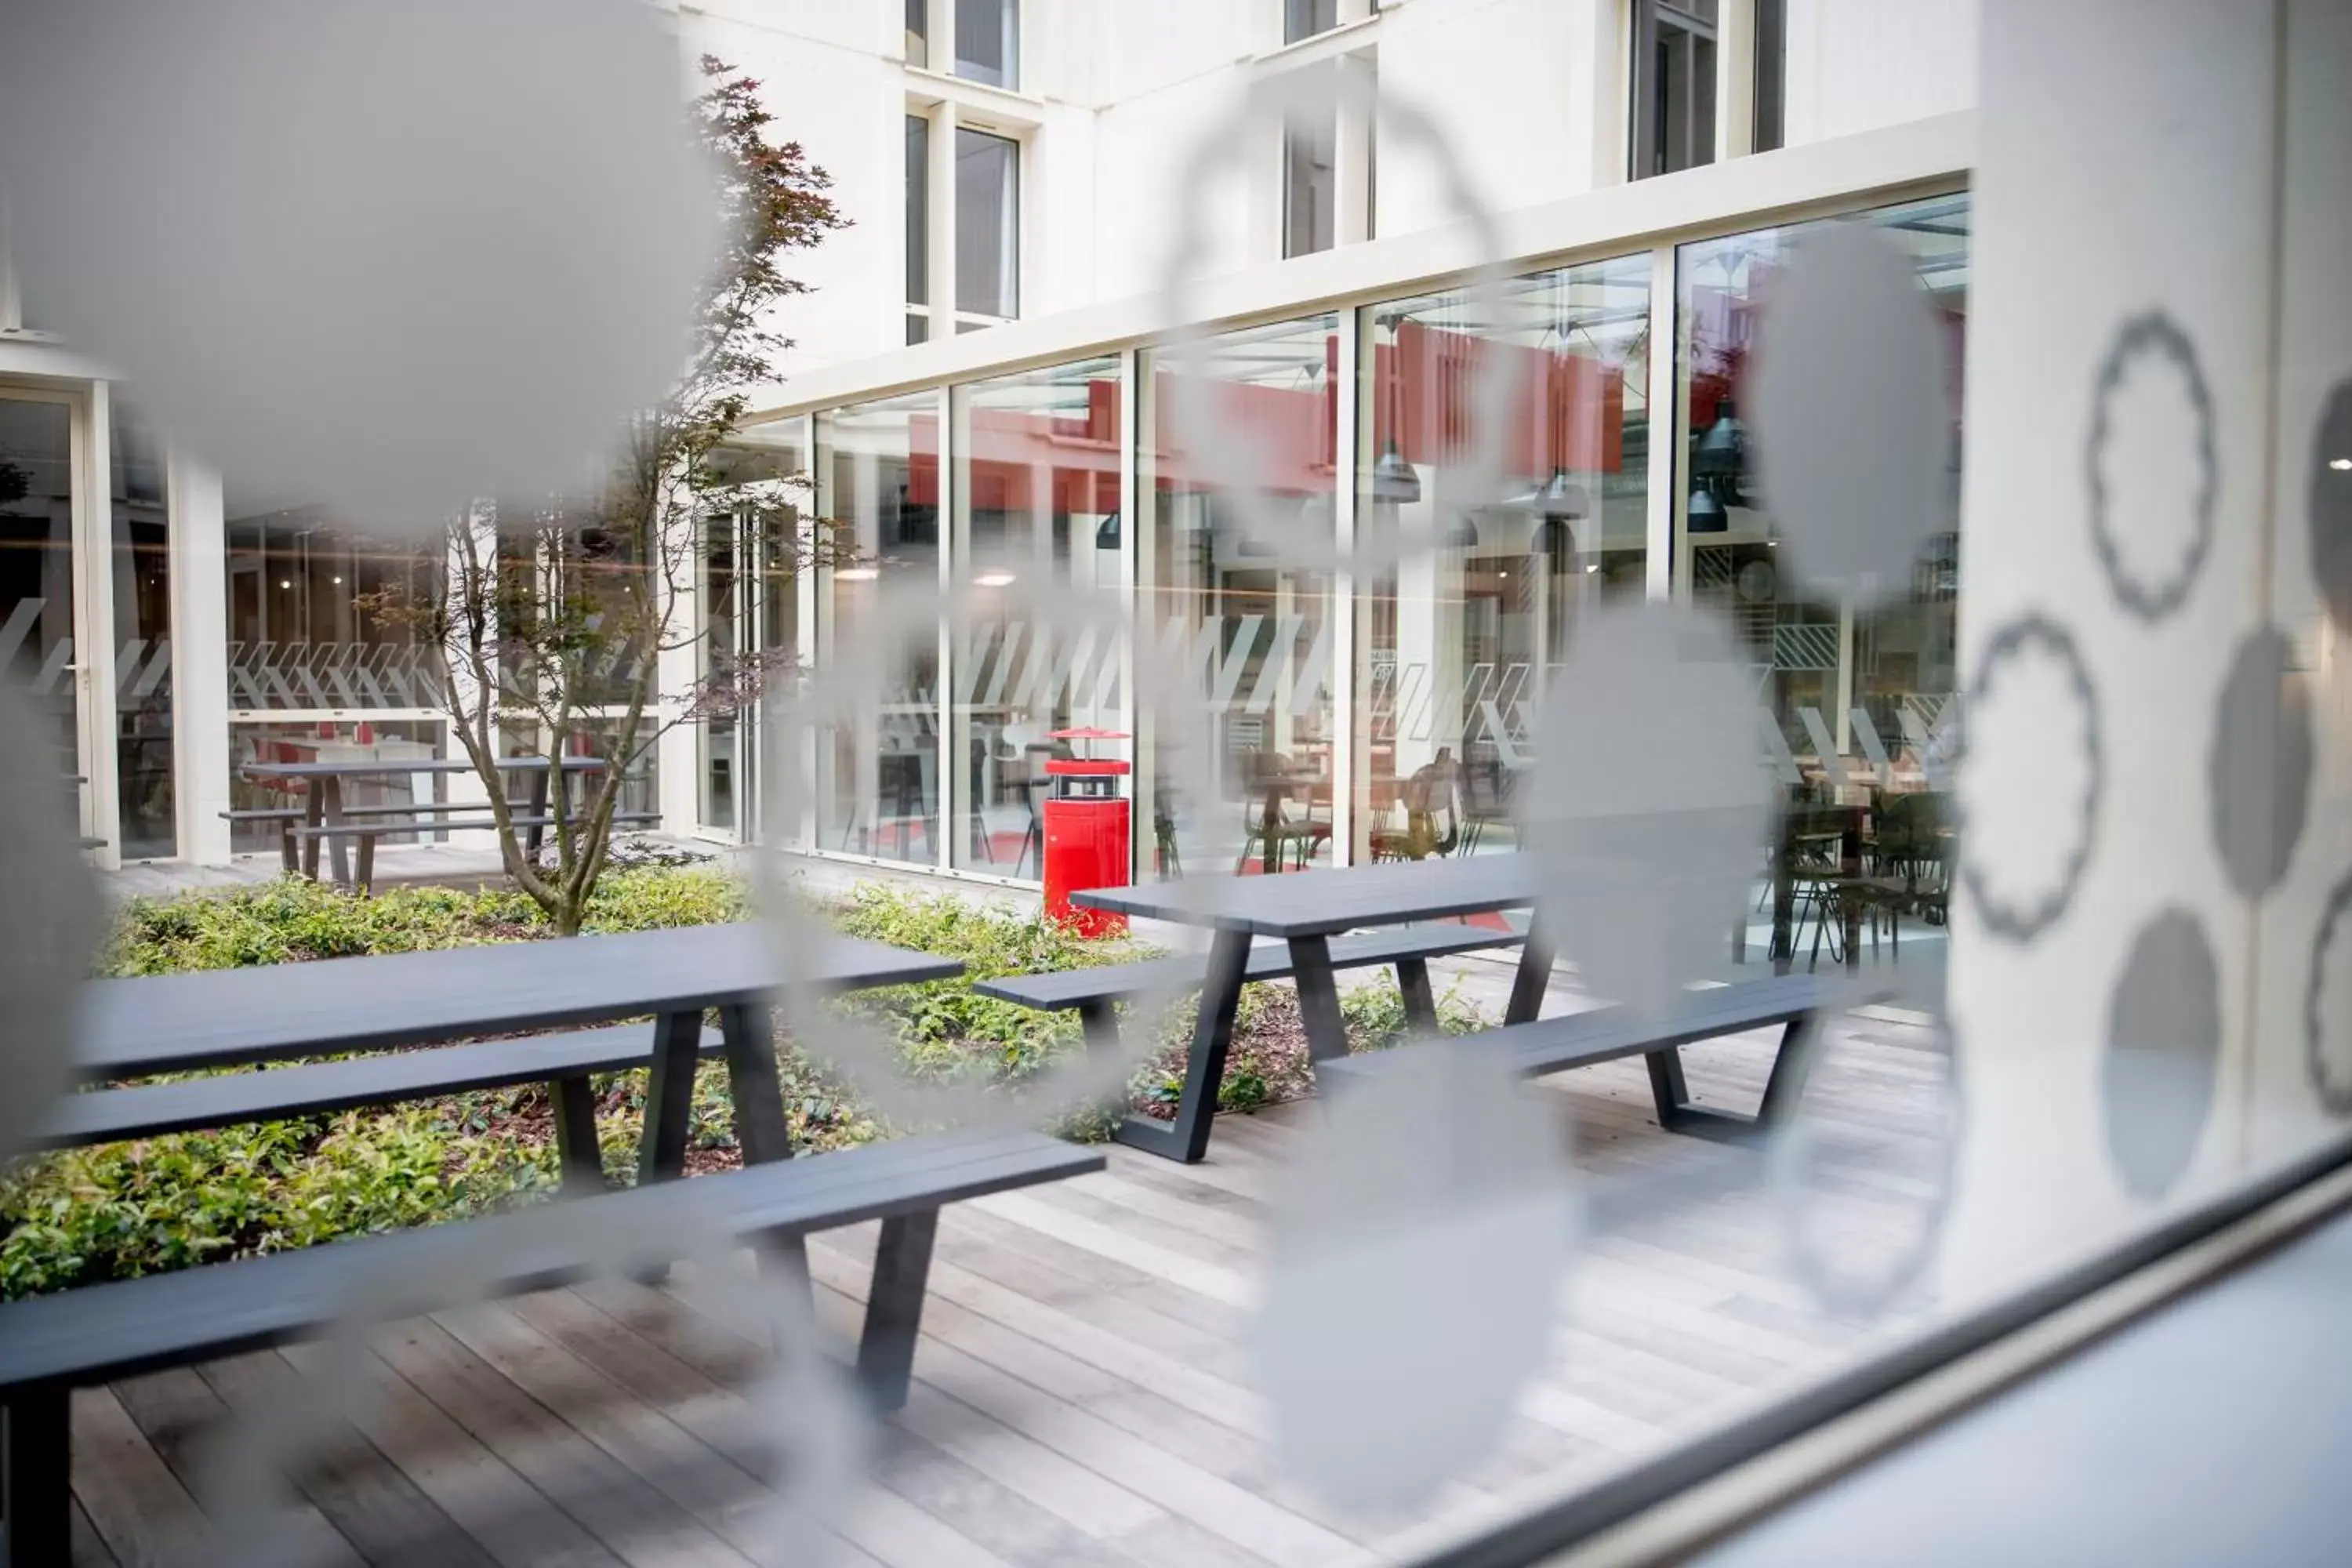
(141, 563)
(877, 773)
(36, 586)
(1037, 511)
(748, 596)
(1456, 646)
(1865, 704)
(319, 667)
(1241, 780)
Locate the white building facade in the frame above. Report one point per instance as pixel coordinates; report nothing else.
(981, 386)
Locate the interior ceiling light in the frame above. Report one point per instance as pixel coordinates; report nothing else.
(993, 580)
(855, 574)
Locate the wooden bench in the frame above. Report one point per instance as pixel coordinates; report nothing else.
(561, 1061)
(287, 817)
(1096, 992)
(1792, 1002)
(380, 823)
(51, 1345)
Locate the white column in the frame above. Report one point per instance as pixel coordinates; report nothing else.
(2104, 191)
(1735, 79)
(678, 753)
(199, 589)
(1354, 124)
(94, 624)
(942, 179)
(1666, 574)
(1353, 443)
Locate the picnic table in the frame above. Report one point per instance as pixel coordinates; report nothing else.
(1305, 910)
(171, 1022)
(322, 800)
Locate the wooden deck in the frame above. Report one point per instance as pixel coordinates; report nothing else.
(1082, 1393)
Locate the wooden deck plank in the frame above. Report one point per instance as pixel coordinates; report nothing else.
(634, 1522)
(503, 1513)
(377, 1507)
(88, 1548)
(142, 1511)
(185, 1421)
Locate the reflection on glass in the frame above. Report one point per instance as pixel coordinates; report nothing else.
(988, 223)
(1456, 648)
(36, 641)
(1682, 105)
(1310, 190)
(918, 32)
(1302, 19)
(142, 639)
(748, 595)
(878, 783)
(1864, 704)
(919, 214)
(301, 635)
(252, 786)
(1037, 506)
(1243, 779)
(988, 42)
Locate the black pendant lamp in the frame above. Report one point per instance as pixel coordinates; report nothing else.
(1706, 513)
(1394, 478)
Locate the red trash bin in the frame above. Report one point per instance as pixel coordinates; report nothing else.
(1086, 833)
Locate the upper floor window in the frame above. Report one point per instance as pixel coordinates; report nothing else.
(1305, 19)
(1772, 73)
(918, 227)
(987, 226)
(918, 33)
(1673, 85)
(1310, 182)
(988, 42)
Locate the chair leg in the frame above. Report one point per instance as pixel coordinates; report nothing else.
(35, 1472)
(363, 879)
(894, 1306)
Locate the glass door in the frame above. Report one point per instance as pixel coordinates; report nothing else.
(40, 459)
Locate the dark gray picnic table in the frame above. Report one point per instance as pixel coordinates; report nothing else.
(155, 1024)
(323, 798)
(1307, 910)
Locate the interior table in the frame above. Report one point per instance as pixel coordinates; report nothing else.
(224, 1017)
(1307, 910)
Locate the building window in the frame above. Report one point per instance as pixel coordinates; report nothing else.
(988, 42)
(1772, 73)
(1674, 86)
(1310, 183)
(918, 33)
(1305, 19)
(918, 227)
(987, 225)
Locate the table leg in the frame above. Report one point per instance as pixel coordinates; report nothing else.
(314, 798)
(1318, 998)
(1533, 979)
(1784, 908)
(760, 1126)
(534, 837)
(1420, 1001)
(573, 1101)
(36, 1447)
(670, 1096)
(338, 854)
(1187, 1139)
(1850, 868)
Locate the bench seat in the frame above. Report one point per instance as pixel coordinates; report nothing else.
(152, 1110)
(1792, 1001)
(50, 1345)
(381, 822)
(1411, 945)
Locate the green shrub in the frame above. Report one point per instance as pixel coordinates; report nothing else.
(1374, 1014)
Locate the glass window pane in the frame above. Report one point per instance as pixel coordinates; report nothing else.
(1456, 648)
(1037, 503)
(919, 211)
(142, 639)
(918, 32)
(1887, 679)
(988, 223)
(1243, 779)
(877, 773)
(1772, 73)
(753, 552)
(988, 41)
(1310, 183)
(37, 596)
(313, 610)
(1305, 19)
